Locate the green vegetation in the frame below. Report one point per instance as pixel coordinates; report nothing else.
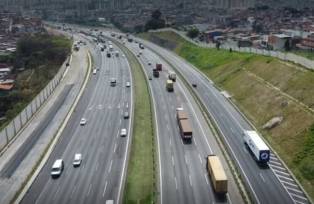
(308, 54)
(140, 184)
(263, 88)
(155, 22)
(193, 33)
(41, 57)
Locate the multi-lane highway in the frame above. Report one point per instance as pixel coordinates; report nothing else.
(266, 185)
(100, 176)
(183, 175)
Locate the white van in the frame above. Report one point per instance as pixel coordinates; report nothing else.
(57, 168)
(109, 202)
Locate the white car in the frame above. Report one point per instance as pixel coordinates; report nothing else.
(83, 121)
(77, 160)
(128, 84)
(123, 132)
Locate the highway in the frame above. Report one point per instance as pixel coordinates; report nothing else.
(266, 185)
(183, 175)
(104, 152)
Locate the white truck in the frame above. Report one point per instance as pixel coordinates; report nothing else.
(257, 146)
(172, 76)
(110, 48)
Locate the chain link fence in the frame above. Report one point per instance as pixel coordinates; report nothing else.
(8, 133)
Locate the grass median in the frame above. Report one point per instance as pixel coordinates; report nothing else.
(140, 181)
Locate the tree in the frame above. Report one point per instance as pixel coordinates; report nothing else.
(155, 22)
(193, 33)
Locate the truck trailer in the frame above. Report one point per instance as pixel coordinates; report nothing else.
(184, 125)
(257, 146)
(159, 67)
(169, 85)
(217, 175)
(155, 73)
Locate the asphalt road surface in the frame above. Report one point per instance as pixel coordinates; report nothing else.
(266, 185)
(184, 178)
(103, 150)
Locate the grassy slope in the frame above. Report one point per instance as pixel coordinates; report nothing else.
(140, 184)
(240, 74)
(31, 81)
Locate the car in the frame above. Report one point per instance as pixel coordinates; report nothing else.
(83, 121)
(113, 82)
(150, 77)
(108, 54)
(77, 160)
(123, 132)
(149, 63)
(194, 85)
(138, 55)
(126, 115)
(123, 55)
(94, 71)
(128, 84)
(57, 168)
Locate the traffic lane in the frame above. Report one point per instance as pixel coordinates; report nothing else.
(44, 175)
(114, 131)
(80, 133)
(200, 194)
(285, 196)
(206, 149)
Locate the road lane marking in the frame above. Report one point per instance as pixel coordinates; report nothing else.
(74, 189)
(289, 184)
(260, 174)
(97, 164)
(170, 142)
(199, 156)
(110, 167)
(195, 141)
(206, 179)
(54, 197)
(115, 146)
(89, 189)
(103, 193)
(300, 197)
(190, 179)
(172, 160)
(285, 177)
(280, 172)
(295, 190)
(175, 180)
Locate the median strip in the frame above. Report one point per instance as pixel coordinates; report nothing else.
(141, 175)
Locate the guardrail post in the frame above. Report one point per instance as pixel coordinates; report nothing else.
(26, 113)
(14, 128)
(20, 116)
(6, 134)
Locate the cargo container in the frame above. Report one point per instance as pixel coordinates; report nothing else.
(155, 73)
(257, 146)
(159, 67)
(184, 125)
(217, 175)
(169, 85)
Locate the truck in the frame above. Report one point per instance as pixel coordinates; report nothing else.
(184, 125)
(169, 85)
(140, 45)
(217, 175)
(172, 76)
(159, 67)
(257, 146)
(110, 48)
(155, 73)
